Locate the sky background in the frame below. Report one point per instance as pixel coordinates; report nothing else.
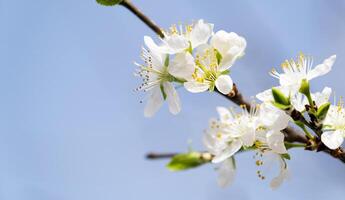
(71, 126)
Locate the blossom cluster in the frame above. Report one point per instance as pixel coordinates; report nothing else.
(191, 55)
(259, 129)
(199, 59)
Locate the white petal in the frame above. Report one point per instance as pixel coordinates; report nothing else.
(332, 139)
(283, 174)
(224, 84)
(172, 98)
(200, 33)
(154, 102)
(196, 87)
(273, 117)
(220, 41)
(230, 46)
(248, 138)
(224, 114)
(277, 181)
(323, 68)
(233, 147)
(176, 43)
(275, 140)
(265, 96)
(157, 53)
(182, 66)
(298, 101)
(226, 172)
(323, 97)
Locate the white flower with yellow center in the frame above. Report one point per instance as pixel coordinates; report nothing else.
(265, 161)
(157, 80)
(334, 127)
(294, 71)
(230, 46)
(227, 135)
(213, 62)
(187, 38)
(208, 73)
(271, 121)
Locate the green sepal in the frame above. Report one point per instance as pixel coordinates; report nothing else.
(212, 86)
(225, 72)
(186, 161)
(166, 61)
(109, 2)
(218, 56)
(280, 98)
(305, 88)
(281, 106)
(286, 156)
(163, 92)
(190, 48)
(322, 111)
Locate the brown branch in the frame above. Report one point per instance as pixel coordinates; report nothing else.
(142, 17)
(154, 156)
(235, 96)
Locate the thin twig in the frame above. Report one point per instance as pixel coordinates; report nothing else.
(153, 156)
(142, 17)
(234, 96)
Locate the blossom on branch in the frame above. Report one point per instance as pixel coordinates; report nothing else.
(192, 56)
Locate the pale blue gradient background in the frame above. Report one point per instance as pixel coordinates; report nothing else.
(72, 128)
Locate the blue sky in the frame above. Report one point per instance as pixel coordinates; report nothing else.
(71, 126)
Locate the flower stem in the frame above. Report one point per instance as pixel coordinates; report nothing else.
(289, 145)
(142, 17)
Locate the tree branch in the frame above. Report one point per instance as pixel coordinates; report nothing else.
(142, 17)
(235, 96)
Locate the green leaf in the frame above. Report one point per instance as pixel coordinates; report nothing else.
(163, 92)
(280, 98)
(186, 161)
(286, 156)
(109, 2)
(322, 111)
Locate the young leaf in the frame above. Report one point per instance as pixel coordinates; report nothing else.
(322, 111)
(186, 161)
(280, 98)
(109, 2)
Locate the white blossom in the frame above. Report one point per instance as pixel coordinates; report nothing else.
(294, 71)
(226, 172)
(230, 46)
(156, 80)
(334, 127)
(227, 135)
(208, 73)
(271, 122)
(187, 38)
(266, 161)
(299, 100)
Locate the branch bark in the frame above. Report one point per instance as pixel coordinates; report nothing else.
(235, 96)
(142, 17)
